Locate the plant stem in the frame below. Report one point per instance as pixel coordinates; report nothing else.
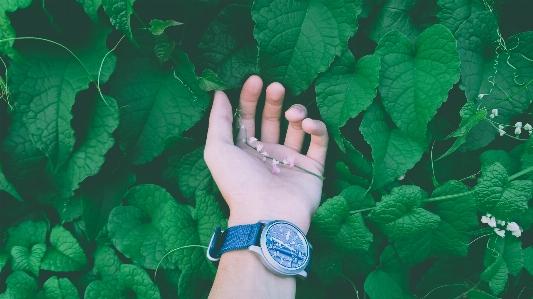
(514, 176)
(270, 158)
(362, 210)
(512, 95)
(447, 196)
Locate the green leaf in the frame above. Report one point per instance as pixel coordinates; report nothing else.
(346, 175)
(27, 234)
(45, 83)
(101, 196)
(521, 57)
(106, 263)
(503, 256)
(91, 8)
(228, 46)
(20, 286)
(119, 12)
(158, 26)
(346, 89)
(458, 217)
(60, 288)
(391, 264)
(26, 259)
(69, 209)
(334, 221)
(208, 215)
(193, 173)
(210, 81)
(393, 151)
(476, 37)
(395, 15)
(99, 289)
(22, 161)
(6, 30)
(298, 40)
(492, 156)
(470, 117)
(136, 229)
(90, 155)
(477, 294)
(4, 257)
(415, 78)
(155, 102)
(398, 214)
(327, 266)
(163, 47)
(498, 196)
(153, 224)
(454, 13)
(65, 254)
(528, 259)
(356, 160)
(379, 285)
(357, 198)
(6, 186)
(136, 279)
(449, 272)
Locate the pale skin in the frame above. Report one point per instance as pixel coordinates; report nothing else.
(252, 191)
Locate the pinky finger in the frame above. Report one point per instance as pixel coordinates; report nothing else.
(319, 139)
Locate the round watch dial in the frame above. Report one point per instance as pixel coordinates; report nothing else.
(286, 246)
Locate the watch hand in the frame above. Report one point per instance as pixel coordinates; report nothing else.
(281, 243)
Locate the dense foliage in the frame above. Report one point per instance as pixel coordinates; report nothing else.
(104, 114)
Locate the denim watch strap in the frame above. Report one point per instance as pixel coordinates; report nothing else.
(235, 238)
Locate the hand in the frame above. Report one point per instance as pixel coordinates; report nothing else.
(247, 184)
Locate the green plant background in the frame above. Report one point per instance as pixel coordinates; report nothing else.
(104, 116)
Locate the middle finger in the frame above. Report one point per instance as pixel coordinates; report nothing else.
(271, 114)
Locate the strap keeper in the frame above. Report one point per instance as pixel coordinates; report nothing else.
(217, 240)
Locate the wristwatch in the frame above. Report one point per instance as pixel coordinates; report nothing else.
(280, 245)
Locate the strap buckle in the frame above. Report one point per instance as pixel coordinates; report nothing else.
(215, 244)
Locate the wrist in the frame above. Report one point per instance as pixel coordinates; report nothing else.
(240, 217)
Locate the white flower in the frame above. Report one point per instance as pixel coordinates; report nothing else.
(274, 162)
(401, 178)
(491, 116)
(528, 127)
(500, 232)
(259, 146)
(489, 219)
(514, 229)
(500, 130)
(251, 140)
(517, 131)
(518, 124)
(500, 222)
(495, 112)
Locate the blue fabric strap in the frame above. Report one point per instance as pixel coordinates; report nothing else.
(238, 237)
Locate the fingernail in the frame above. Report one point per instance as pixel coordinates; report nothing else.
(297, 107)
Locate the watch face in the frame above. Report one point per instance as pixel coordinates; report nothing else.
(286, 245)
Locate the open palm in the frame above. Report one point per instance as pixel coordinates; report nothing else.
(249, 186)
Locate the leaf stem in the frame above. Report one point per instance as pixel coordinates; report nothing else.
(447, 196)
(518, 174)
(270, 158)
(362, 210)
(175, 249)
(512, 95)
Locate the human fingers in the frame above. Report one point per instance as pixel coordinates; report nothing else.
(250, 93)
(319, 139)
(295, 133)
(220, 120)
(271, 114)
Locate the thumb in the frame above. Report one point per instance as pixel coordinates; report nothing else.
(220, 121)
